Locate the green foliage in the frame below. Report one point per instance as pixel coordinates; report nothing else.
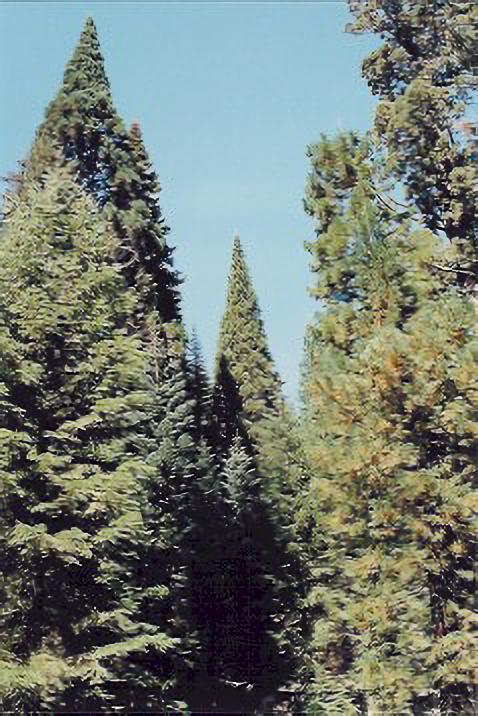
(245, 605)
(167, 542)
(247, 385)
(83, 617)
(248, 399)
(112, 165)
(424, 75)
(253, 420)
(391, 428)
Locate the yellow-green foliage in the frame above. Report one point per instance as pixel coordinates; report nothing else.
(391, 435)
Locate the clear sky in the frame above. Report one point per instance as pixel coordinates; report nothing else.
(228, 95)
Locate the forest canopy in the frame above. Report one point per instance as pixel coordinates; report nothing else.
(174, 541)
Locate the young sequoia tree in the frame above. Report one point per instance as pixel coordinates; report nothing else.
(112, 165)
(87, 621)
(248, 391)
(391, 399)
(257, 446)
(247, 384)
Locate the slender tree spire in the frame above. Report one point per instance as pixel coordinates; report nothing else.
(87, 55)
(246, 378)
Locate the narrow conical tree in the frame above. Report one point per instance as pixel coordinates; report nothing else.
(201, 391)
(248, 387)
(83, 543)
(113, 166)
(249, 571)
(254, 421)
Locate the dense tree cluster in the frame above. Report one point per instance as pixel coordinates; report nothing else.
(143, 567)
(175, 543)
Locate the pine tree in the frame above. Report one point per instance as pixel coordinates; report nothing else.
(88, 622)
(391, 429)
(113, 166)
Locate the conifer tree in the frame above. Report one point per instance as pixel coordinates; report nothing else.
(201, 392)
(88, 622)
(391, 422)
(254, 420)
(248, 392)
(248, 609)
(113, 166)
(425, 75)
(247, 385)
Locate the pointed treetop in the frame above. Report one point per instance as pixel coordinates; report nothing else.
(195, 346)
(111, 164)
(86, 68)
(242, 305)
(89, 32)
(245, 370)
(237, 250)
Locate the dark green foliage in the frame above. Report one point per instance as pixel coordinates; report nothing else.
(237, 593)
(247, 385)
(84, 562)
(254, 421)
(201, 393)
(113, 166)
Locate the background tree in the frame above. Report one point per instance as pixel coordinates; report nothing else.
(252, 417)
(112, 165)
(246, 378)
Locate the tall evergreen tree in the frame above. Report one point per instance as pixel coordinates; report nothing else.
(113, 166)
(88, 621)
(248, 392)
(391, 422)
(254, 420)
(248, 387)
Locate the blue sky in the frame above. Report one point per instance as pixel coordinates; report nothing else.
(228, 96)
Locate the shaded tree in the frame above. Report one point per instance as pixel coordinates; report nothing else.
(86, 581)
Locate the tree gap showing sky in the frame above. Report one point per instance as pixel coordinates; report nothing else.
(228, 96)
